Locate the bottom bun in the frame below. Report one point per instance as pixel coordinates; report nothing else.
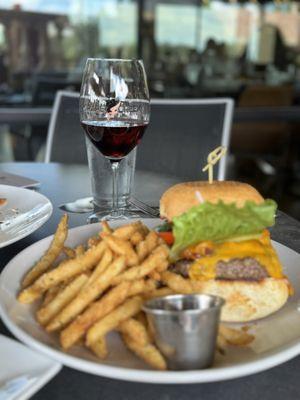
(247, 301)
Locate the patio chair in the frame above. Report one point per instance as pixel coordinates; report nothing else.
(181, 133)
(65, 138)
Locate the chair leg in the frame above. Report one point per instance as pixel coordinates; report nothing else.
(6, 147)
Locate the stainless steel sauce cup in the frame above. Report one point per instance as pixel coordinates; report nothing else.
(185, 328)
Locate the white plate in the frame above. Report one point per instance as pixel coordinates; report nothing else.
(23, 371)
(33, 208)
(277, 337)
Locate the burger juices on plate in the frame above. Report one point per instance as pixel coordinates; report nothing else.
(219, 238)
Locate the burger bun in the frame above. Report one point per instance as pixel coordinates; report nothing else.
(247, 300)
(180, 198)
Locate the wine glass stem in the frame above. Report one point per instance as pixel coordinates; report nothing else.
(115, 194)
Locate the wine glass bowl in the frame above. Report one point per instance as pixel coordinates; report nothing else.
(114, 111)
(114, 139)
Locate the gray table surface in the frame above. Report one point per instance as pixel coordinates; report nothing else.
(62, 183)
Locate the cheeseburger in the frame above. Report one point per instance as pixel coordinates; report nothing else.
(219, 238)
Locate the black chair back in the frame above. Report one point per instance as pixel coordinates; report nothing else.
(182, 133)
(66, 139)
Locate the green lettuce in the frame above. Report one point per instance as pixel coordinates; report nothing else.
(219, 222)
(165, 227)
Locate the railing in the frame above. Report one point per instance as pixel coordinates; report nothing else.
(25, 115)
(267, 114)
(242, 115)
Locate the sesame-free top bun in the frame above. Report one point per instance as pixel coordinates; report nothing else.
(181, 197)
(246, 300)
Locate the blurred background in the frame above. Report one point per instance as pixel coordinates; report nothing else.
(245, 50)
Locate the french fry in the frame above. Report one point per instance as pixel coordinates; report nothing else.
(141, 286)
(142, 250)
(70, 253)
(145, 247)
(106, 228)
(161, 241)
(153, 261)
(154, 275)
(165, 291)
(47, 260)
(64, 271)
(151, 240)
(141, 317)
(50, 294)
(87, 295)
(125, 232)
(235, 337)
(123, 248)
(76, 330)
(144, 230)
(163, 266)
(79, 250)
(135, 330)
(151, 331)
(149, 353)
(93, 241)
(97, 310)
(177, 283)
(113, 320)
(46, 313)
(221, 343)
(136, 238)
(100, 348)
(101, 267)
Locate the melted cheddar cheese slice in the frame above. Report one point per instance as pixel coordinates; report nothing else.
(260, 249)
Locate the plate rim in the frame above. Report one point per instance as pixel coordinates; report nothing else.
(39, 223)
(143, 375)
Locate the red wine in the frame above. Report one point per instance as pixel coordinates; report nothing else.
(115, 139)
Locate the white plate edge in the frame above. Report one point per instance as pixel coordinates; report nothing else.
(40, 223)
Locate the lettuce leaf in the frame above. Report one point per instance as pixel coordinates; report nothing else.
(219, 222)
(165, 227)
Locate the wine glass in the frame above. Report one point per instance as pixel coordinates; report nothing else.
(114, 113)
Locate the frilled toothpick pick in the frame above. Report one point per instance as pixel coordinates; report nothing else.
(212, 159)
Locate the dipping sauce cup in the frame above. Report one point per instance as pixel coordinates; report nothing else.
(185, 328)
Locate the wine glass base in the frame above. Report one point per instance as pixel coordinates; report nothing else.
(122, 214)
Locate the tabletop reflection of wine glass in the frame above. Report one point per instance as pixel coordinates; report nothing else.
(114, 112)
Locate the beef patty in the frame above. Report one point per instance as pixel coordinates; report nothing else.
(235, 269)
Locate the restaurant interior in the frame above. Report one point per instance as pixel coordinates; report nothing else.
(149, 199)
(248, 51)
